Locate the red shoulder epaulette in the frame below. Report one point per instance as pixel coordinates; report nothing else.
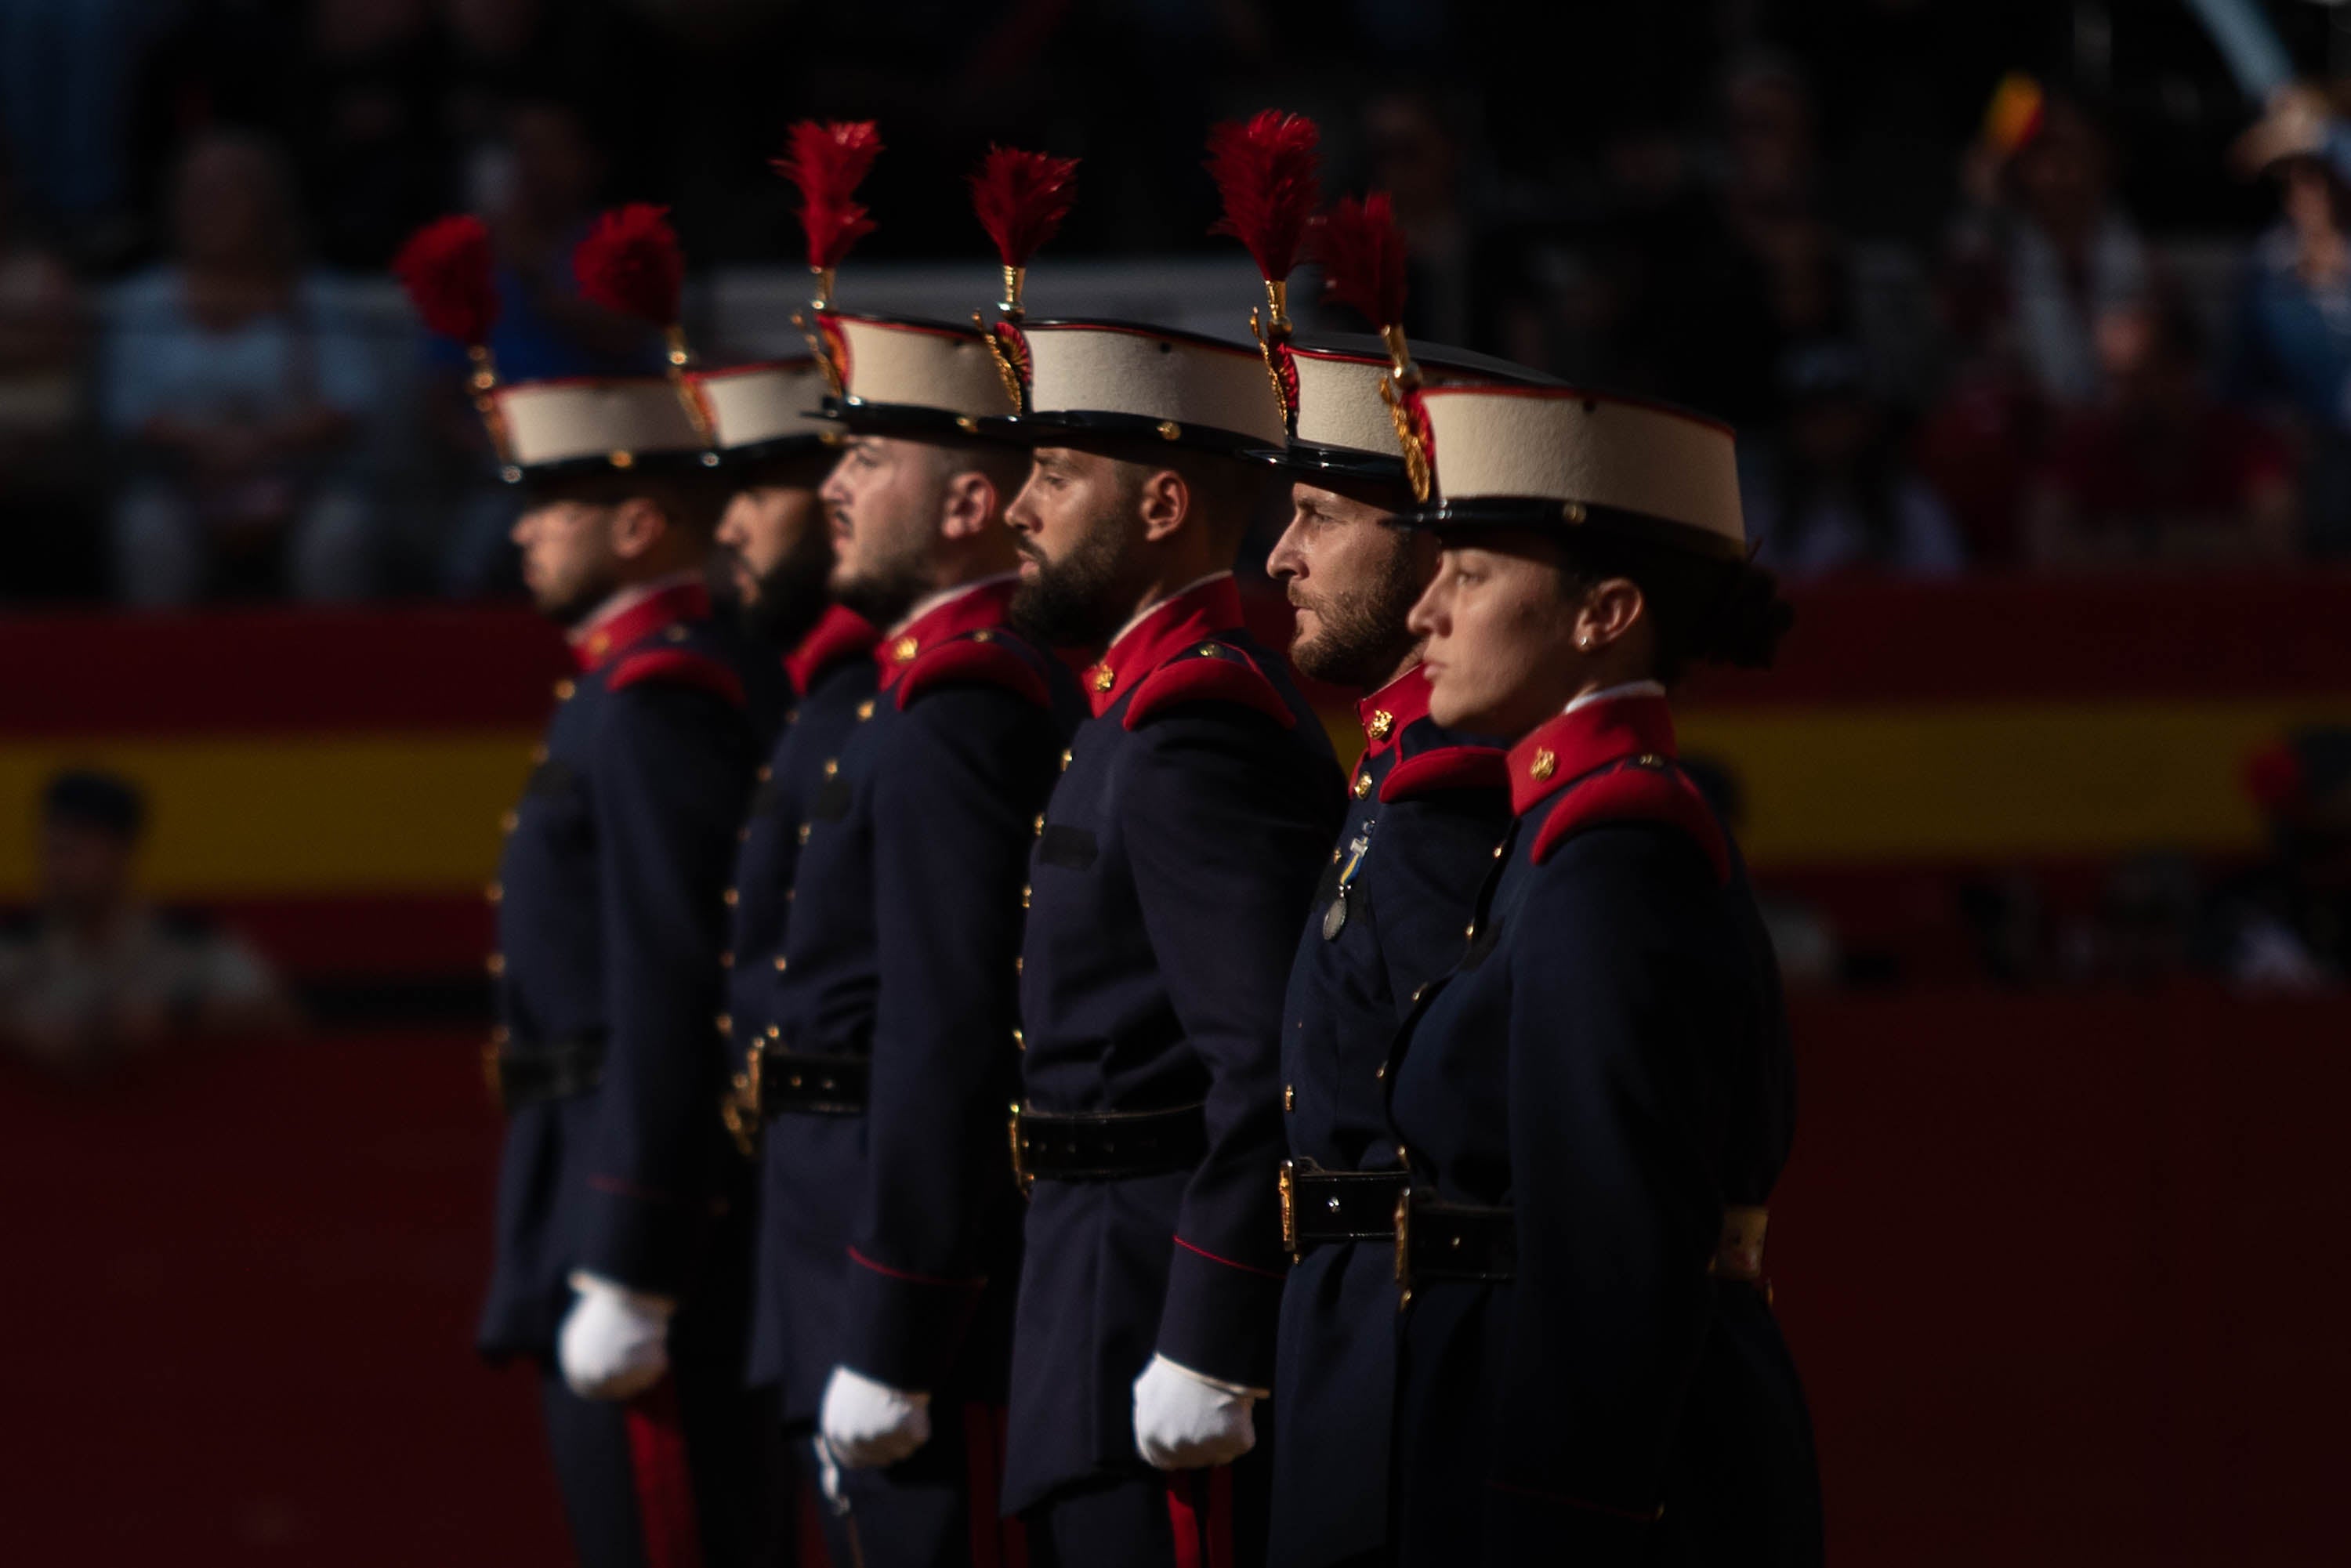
(1211, 672)
(677, 666)
(1447, 768)
(976, 658)
(1635, 792)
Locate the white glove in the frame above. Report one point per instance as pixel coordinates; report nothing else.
(615, 1342)
(1184, 1420)
(868, 1424)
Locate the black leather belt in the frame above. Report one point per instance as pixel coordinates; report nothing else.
(1105, 1145)
(806, 1082)
(1320, 1206)
(1451, 1241)
(529, 1074)
(1461, 1241)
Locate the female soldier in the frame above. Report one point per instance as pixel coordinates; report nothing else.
(1593, 1105)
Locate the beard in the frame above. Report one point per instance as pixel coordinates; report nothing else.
(882, 593)
(1074, 601)
(573, 599)
(786, 599)
(1362, 637)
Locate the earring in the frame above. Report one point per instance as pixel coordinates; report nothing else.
(1583, 643)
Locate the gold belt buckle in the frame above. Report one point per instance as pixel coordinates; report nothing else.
(741, 1109)
(1020, 1176)
(493, 1067)
(1738, 1254)
(1287, 1185)
(1403, 1248)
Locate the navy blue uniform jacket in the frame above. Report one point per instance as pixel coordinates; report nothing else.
(1426, 810)
(609, 916)
(831, 671)
(1609, 1062)
(1171, 870)
(888, 1226)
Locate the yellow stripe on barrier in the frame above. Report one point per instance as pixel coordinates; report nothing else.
(1884, 786)
(277, 816)
(343, 815)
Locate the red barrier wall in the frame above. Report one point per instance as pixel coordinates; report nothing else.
(2061, 1273)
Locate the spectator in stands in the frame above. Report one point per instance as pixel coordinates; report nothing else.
(1988, 434)
(237, 381)
(45, 472)
(2041, 220)
(1832, 494)
(93, 974)
(2285, 925)
(2292, 342)
(536, 190)
(2159, 472)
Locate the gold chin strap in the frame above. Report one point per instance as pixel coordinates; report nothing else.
(1404, 378)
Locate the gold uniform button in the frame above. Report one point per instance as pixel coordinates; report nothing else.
(765, 773)
(1020, 1040)
(775, 1032)
(563, 690)
(1024, 897)
(779, 963)
(1103, 679)
(1066, 755)
(725, 1023)
(1362, 786)
(904, 649)
(1039, 825)
(1543, 766)
(1015, 966)
(1334, 857)
(804, 830)
(496, 964)
(730, 898)
(865, 708)
(1470, 931)
(831, 766)
(1382, 723)
(1498, 852)
(1289, 1096)
(1380, 1073)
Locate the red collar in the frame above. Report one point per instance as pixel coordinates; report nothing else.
(1193, 615)
(606, 635)
(1384, 713)
(839, 633)
(1556, 754)
(974, 610)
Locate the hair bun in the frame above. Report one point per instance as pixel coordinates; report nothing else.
(1748, 619)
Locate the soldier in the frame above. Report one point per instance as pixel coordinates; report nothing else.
(608, 916)
(1594, 1104)
(888, 1016)
(1427, 806)
(1171, 871)
(778, 549)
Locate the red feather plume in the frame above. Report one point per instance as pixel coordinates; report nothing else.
(1021, 199)
(631, 262)
(1362, 253)
(825, 162)
(445, 268)
(1268, 170)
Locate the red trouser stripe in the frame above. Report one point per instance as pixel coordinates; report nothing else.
(1183, 1520)
(665, 1484)
(980, 1471)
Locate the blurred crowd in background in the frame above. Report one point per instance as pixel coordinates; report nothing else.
(1964, 319)
(2006, 286)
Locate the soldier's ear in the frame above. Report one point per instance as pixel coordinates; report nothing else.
(969, 504)
(637, 525)
(1164, 501)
